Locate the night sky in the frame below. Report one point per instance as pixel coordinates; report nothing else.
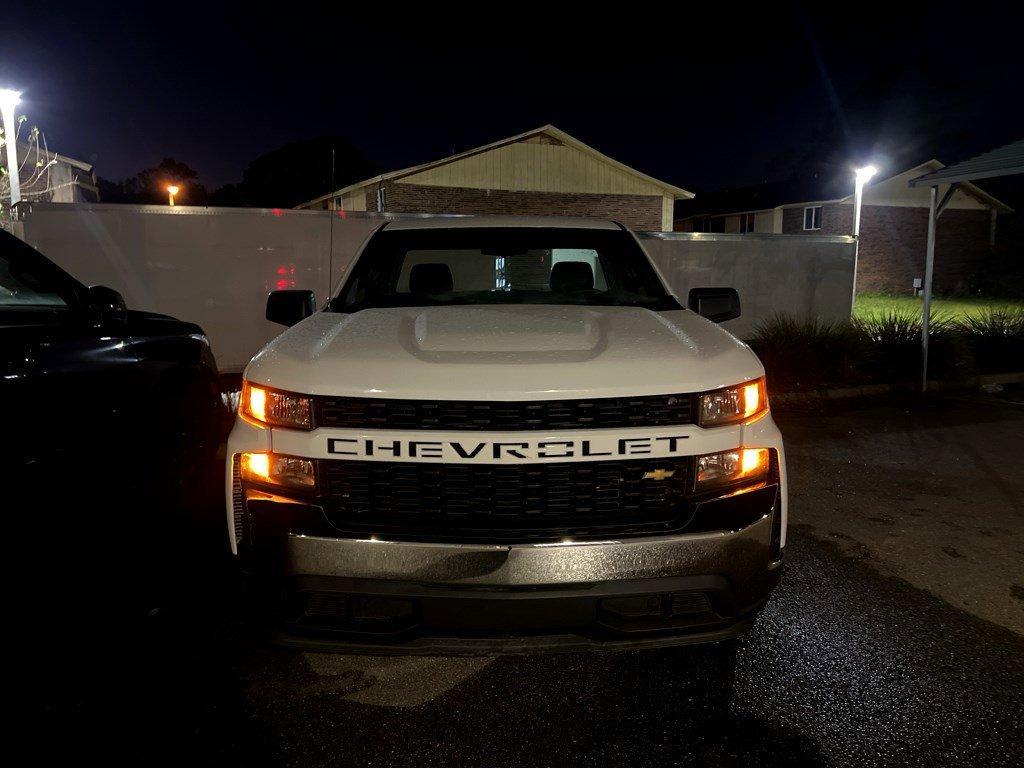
(699, 99)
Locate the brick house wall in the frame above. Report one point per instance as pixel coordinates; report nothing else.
(639, 212)
(894, 240)
(836, 219)
(792, 221)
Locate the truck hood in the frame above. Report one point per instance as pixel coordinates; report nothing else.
(520, 352)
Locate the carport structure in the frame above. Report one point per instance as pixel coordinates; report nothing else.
(1002, 161)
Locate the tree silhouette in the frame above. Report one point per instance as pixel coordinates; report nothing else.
(297, 172)
(150, 186)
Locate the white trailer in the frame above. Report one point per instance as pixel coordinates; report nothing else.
(212, 266)
(215, 266)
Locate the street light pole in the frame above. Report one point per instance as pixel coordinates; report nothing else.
(172, 190)
(862, 177)
(929, 272)
(8, 101)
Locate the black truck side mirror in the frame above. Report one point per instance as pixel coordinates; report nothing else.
(715, 304)
(105, 306)
(289, 306)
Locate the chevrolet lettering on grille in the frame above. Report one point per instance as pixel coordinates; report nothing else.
(512, 451)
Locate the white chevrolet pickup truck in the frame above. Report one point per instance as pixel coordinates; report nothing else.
(506, 434)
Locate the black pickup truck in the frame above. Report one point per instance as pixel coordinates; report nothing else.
(110, 426)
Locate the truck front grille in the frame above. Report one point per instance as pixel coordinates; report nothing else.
(505, 503)
(592, 413)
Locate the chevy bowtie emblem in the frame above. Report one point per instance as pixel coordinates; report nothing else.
(658, 475)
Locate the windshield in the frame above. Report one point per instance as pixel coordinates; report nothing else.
(28, 280)
(513, 265)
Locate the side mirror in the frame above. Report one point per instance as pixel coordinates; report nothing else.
(715, 304)
(104, 306)
(290, 306)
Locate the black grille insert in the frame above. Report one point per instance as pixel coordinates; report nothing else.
(478, 502)
(592, 413)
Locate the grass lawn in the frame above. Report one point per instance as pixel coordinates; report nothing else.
(952, 308)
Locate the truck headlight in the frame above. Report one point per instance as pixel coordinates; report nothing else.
(728, 468)
(275, 407)
(733, 404)
(278, 470)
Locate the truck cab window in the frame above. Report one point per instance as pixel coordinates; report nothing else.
(21, 286)
(548, 265)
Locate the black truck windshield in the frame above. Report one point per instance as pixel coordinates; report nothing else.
(511, 265)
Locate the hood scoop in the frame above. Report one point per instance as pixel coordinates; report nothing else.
(554, 329)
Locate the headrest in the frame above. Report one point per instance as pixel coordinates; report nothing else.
(571, 276)
(430, 279)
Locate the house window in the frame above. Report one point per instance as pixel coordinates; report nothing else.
(746, 222)
(812, 218)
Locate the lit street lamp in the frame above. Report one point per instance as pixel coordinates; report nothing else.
(862, 177)
(172, 190)
(8, 101)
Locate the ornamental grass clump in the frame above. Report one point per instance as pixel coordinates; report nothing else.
(808, 353)
(894, 347)
(995, 338)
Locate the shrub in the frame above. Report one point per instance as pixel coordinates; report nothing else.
(994, 324)
(894, 350)
(897, 327)
(995, 338)
(800, 354)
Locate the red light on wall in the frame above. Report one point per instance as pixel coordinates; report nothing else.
(276, 212)
(283, 272)
(342, 214)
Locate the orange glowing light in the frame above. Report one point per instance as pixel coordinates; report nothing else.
(751, 399)
(255, 400)
(256, 466)
(753, 462)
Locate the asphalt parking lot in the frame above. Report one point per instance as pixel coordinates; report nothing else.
(896, 637)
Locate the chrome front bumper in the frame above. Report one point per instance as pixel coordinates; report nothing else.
(482, 599)
(741, 556)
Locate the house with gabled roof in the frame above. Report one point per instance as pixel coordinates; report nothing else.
(894, 224)
(540, 172)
